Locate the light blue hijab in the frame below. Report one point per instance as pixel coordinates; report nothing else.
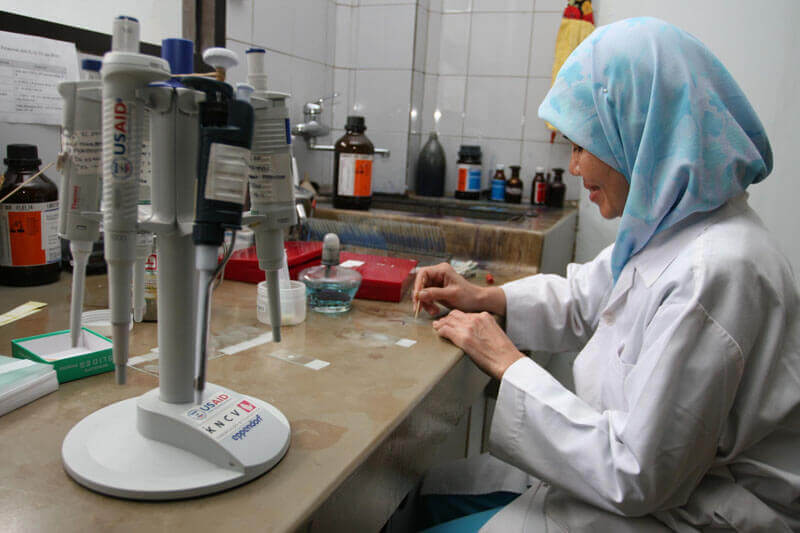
(655, 104)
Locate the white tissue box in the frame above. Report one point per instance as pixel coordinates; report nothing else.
(91, 356)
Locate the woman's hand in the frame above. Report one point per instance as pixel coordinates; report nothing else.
(442, 284)
(482, 338)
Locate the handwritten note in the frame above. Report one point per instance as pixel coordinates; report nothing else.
(30, 70)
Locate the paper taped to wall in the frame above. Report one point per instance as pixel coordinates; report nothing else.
(30, 70)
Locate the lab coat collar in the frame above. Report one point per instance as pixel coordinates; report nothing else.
(662, 249)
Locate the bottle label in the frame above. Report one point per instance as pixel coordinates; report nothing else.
(146, 158)
(29, 234)
(85, 149)
(539, 193)
(226, 177)
(151, 277)
(469, 178)
(498, 190)
(355, 175)
(271, 179)
(513, 191)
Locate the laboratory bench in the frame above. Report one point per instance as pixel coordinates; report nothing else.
(511, 234)
(363, 429)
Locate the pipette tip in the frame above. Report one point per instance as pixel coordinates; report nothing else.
(119, 372)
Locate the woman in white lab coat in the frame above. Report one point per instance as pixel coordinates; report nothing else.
(686, 413)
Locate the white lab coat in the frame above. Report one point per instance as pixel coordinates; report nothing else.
(687, 405)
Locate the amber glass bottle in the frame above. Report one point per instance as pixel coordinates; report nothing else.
(539, 188)
(514, 186)
(352, 167)
(556, 190)
(30, 250)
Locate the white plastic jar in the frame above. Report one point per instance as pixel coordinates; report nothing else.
(293, 303)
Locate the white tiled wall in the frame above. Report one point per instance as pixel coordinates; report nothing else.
(299, 37)
(487, 68)
(482, 66)
(373, 75)
(498, 44)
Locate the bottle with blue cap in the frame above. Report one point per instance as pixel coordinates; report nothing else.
(498, 192)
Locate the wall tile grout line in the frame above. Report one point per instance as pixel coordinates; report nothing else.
(281, 52)
(466, 76)
(252, 20)
(527, 86)
(411, 95)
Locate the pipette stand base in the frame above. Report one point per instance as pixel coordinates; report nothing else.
(145, 449)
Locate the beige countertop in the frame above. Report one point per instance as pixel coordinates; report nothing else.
(339, 415)
(524, 239)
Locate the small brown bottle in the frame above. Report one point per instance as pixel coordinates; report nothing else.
(539, 188)
(556, 189)
(30, 250)
(514, 186)
(352, 167)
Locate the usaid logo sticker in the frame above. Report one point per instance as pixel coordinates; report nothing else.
(121, 166)
(203, 411)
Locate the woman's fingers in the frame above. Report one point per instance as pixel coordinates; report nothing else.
(436, 294)
(420, 282)
(431, 276)
(430, 308)
(430, 296)
(481, 338)
(451, 332)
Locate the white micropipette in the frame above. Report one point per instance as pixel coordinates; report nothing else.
(79, 163)
(272, 205)
(125, 71)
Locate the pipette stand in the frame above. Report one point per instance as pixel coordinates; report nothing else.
(162, 445)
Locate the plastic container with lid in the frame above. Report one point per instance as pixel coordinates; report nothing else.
(293, 303)
(99, 321)
(352, 167)
(30, 249)
(469, 172)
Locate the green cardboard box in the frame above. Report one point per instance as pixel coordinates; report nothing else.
(91, 356)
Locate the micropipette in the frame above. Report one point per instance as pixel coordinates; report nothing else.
(272, 205)
(80, 166)
(226, 134)
(125, 71)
